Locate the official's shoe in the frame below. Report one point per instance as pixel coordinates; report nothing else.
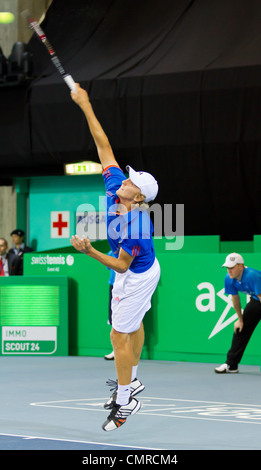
(119, 414)
(135, 388)
(225, 369)
(109, 357)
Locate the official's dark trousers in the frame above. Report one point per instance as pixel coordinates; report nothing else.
(251, 318)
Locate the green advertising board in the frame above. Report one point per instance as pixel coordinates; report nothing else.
(191, 318)
(88, 297)
(33, 315)
(194, 318)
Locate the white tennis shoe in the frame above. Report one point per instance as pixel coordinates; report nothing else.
(135, 388)
(109, 357)
(225, 369)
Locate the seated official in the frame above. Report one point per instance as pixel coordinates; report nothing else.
(10, 264)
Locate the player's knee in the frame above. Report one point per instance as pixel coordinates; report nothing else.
(118, 339)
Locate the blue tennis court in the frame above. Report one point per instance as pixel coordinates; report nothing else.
(57, 404)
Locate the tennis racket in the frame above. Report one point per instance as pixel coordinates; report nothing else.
(34, 25)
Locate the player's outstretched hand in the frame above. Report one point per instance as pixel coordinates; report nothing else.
(80, 97)
(81, 244)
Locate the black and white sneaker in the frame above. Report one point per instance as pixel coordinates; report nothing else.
(226, 369)
(119, 414)
(135, 388)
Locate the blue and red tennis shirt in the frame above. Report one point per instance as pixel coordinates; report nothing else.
(131, 231)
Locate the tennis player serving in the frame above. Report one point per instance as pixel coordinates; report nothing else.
(129, 231)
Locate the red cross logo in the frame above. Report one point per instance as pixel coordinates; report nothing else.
(60, 224)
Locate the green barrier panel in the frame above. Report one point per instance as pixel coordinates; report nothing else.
(101, 245)
(191, 318)
(257, 243)
(34, 316)
(237, 246)
(88, 297)
(190, 244)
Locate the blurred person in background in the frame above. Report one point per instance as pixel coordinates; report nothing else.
(10, 264)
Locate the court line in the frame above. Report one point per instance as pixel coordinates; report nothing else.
(78, 442)
(235, 421)
(151, 413)
(47, 403)
(200, 401)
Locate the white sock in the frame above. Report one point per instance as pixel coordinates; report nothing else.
(123, 394)
(134, 372)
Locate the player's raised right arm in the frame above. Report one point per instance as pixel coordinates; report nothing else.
(102, 143)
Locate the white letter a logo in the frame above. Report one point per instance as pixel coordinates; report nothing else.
(221, 323)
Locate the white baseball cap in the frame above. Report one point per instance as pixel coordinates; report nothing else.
(232, 260)
(145, 182)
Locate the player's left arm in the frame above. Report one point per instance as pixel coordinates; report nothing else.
(259, 296)
(120, 264)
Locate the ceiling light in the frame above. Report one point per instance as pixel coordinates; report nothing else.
(83, 168)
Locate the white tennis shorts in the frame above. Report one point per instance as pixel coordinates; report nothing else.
(131, 297)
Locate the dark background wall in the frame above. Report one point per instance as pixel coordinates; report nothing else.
(176, 86)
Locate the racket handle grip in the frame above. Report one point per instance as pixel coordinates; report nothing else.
(70, 82)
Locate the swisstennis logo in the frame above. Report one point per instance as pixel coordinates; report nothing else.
(57, 260)
(206, 301)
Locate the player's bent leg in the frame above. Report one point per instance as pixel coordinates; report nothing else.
(123, 356)
(137, 342)
(127, 349)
